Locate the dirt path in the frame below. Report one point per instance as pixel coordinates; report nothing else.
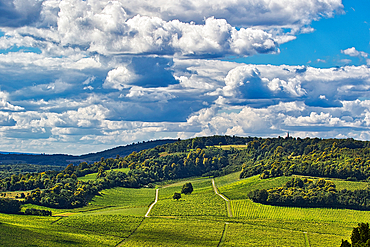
(152, 205)
(223, 197)
(306, 239)
(146, 216)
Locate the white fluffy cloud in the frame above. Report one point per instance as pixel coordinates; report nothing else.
(284, 13)
(109, 30)
(355, 53)
(119, 78)
(160, 27)
(80, 76)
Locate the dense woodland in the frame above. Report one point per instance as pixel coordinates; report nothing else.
(271, 157)
(337, 158)
(308, 193)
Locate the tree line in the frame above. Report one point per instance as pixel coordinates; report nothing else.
(201, 156)
(309, 193)
(337, 158)
(63, 189)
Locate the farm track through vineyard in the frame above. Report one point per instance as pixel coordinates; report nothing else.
(199, 219)
(223, 197)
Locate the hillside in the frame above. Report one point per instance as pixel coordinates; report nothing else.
(247, 191)
(116, 217)
(65, 159)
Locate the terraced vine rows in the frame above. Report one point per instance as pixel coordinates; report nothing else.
(198, 219)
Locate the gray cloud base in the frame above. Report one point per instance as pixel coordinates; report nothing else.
(81, 76)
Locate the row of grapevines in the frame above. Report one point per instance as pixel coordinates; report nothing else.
(175, 233)
(249, 209)
(113, 225)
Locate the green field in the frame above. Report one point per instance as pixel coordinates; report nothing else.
(124, 197)
(92, 176)
(205, 203)
(107, 225)
(199, 185)
(20, 230)
(176, 232)
(240, 188)
(116, 217)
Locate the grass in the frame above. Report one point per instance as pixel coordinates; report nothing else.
(196, 204)
(349, 185)
(176, 232)
(227, 179)
(251, 235)
(124, 197)
(197, 219)
(92, 176)
(239, 190)
(198, 186)
(139, 211)
(227, 147)
(107, 225)
(23, 230)
(251, 210)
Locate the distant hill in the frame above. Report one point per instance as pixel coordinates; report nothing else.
(64, 159)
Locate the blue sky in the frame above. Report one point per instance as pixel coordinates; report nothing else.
(331, 35)
(82, 76)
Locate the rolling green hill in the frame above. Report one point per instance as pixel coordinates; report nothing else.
(116, 217)
(87, 198)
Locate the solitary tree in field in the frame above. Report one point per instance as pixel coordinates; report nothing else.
(187, 188)
(176, 196)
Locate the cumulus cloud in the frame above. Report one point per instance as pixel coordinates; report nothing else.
(81, 76)
(239, 13)
(295, 117)
(119, 78)
(15, 13)
(166, 27)
(108, 30)
(354, 53)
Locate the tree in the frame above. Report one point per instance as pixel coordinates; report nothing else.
(176, 196)
(187, 188)
(9, 206)
(101, 172)
(345, 243)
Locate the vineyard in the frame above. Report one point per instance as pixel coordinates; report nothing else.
(247, 208)
(116, 217)
(176, 232)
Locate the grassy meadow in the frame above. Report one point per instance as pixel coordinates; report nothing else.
(116, 218)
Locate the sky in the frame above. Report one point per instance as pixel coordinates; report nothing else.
(81, 76)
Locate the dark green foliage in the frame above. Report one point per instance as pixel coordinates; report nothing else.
(201, 156)
(176, 196)
(187, 188)
(9, 206)
(37, 212)
(345, 243)
(339, 158)
(360, 236)
(309, 193)
(8, 170)
(259, 195)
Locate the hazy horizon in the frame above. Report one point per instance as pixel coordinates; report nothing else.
(83, 76)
